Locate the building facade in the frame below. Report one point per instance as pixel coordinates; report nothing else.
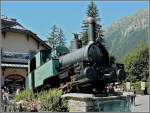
(18, 45)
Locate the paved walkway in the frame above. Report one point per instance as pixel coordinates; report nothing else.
(142, 103)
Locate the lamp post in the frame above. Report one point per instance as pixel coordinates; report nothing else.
(0, 61)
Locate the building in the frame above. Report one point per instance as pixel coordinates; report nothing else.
(18, 45)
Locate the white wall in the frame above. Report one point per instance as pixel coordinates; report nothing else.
(17, 42)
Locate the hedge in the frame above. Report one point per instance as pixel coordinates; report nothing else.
(50, 100)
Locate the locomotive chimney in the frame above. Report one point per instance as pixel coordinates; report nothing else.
(74, 42)
(91, 29)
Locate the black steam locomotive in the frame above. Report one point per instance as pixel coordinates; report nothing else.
(84, 69)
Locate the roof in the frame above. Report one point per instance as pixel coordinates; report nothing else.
(11, 25)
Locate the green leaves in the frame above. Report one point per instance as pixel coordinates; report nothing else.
(136, 63)
(25, 95)
(50, 100)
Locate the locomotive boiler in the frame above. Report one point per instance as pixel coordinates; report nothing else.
(84, 69)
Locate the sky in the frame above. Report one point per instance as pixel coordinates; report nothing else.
(40, 16)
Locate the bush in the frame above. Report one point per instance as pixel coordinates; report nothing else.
(52, 101)
(25, 95)
(24, 98)
(49, 100)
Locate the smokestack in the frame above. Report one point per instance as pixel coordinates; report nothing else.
(91, 29)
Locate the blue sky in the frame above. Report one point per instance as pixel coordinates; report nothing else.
(40, 16)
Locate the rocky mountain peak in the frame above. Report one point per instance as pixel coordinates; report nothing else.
(127, 30)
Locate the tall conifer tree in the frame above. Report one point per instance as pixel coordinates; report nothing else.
(92, 11)
(56, 37)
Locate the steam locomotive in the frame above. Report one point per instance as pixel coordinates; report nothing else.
(84, 69)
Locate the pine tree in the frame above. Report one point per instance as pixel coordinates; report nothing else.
(56, 37)
(53, 36)
(61, 39)
(92, 11)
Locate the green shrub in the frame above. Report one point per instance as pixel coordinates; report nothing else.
(25, 95)
(49, 100)
(52, 101)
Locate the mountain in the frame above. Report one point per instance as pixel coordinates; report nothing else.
(125, 34)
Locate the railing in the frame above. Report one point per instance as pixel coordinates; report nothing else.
(15, 57)
(8, 107)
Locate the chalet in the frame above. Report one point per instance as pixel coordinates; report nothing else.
(18, 45)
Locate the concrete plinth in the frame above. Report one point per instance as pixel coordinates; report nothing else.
(78, 102)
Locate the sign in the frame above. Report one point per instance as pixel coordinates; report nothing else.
(15, 57)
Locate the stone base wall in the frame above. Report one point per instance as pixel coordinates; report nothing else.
(89, 103)
(80, 106)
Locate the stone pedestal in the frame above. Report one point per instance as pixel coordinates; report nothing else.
(78, 102)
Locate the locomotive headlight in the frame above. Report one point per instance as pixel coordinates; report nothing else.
(110, 74)
(107, 74)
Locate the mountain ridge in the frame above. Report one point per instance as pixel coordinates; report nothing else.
(126, 33)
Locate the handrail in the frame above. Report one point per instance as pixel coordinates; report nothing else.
(9, 107)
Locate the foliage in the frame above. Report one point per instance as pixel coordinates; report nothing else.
(92, 11)
(25, 95)
(52, 101)
(56, 37)
(136, 63)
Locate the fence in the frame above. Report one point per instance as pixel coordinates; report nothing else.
(10, 107)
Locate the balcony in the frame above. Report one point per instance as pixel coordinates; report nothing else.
(15, 57)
